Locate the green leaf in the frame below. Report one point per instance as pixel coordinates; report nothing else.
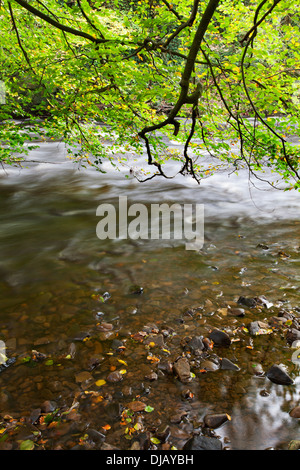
(49, 362)
(154, 440)
(149, 408)
(27, 445)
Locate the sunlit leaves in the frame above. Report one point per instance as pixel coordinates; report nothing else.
(96, 97)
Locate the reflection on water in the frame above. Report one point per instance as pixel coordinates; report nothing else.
(53, 269)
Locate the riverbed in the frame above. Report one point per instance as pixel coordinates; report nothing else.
(76, 309)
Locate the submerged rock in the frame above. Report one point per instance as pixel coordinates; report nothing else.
(193, 344)
(294, 445)
(226, 364)
(219, 337)
(236, 312)
(181, 368)
(114, 376)
(278, 375)
(214, 421)
(203, 443)
(209, 365)
(295, 412)
(258, 327)
(292, 335)
(248, 302)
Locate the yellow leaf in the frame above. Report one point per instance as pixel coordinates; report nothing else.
(100, 382)
(122, 362)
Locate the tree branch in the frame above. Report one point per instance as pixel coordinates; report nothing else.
(58, 25)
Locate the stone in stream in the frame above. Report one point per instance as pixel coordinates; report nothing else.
(219, 337)
(181, 368)
(114, 376)
(209, 365)
(193, 344)
(278, 375)
(236, 312)
(203, 443)
(295, 412)
(226, 364)
(247, 301)
(155, 340)
(257, 327)
(292, 335)
(216, 420)
(294, 445)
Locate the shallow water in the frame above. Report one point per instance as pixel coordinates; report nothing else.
(53, 270)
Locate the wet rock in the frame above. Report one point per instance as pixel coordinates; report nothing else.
(295, 412)
(187, 394)
(278, 375)
(203, 443)
(48, 406)
(8, 363)
(193, 344)
(181, 368)
(116, 344)
(247, 301)
(277, 322)
(177, 416)
(106, 296)
(152, 376)
(135, 446)
(94, 361)
(150, 328)
(255, 327)
(226, 364)
(114, 376)
(209, 365)
(219, 337)
(136, 406)
(34, 415)
(263, 246)
(143, 441)
(158, 340)
(105, 326)
(257, 369)
(264, 393)
(236, 312)
(261, 300)
(136, 290)
(208, 344)
(82, 336)
(106, 446)
(83, 377)
(113, 410)
(37, 356)
(127, 391)
(163, 432)
(292, 335)
(214, 421)
(294, 445)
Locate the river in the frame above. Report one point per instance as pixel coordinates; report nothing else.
(54, 271)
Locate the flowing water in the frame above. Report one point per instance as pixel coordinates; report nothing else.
(54, 272)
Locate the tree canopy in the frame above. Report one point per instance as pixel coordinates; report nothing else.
(108, 78)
